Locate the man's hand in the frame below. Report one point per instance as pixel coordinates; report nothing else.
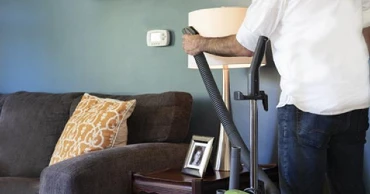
(192, 44)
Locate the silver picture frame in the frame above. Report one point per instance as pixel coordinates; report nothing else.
(197, 159)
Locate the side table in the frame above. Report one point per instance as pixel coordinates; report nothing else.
(172, 181)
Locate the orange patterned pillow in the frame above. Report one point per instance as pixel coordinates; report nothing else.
(96, 124)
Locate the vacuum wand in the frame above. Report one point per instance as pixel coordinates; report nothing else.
(254, 94)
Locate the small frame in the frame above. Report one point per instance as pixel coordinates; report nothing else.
(197, 159)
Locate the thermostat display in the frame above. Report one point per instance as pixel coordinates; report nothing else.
(158, 38)
(155, 37)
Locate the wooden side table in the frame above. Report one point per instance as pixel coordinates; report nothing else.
(172, 181)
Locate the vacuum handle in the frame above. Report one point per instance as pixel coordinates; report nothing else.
(254, 82)
(190, 30)
(254, 92)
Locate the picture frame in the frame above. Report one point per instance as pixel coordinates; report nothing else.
(197, 158)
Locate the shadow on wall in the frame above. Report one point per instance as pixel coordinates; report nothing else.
(204, 120)
(268, 121)
(367, 169)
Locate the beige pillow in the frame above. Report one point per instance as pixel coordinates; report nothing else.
(96, 124)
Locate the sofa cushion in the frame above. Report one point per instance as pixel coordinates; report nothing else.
(30, 126)
(95, 125)
(163, 117)
(14, 185)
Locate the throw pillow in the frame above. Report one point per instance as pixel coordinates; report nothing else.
(96, 124)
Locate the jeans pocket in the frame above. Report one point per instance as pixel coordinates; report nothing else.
(313, 130)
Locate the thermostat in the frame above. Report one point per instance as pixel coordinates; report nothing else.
(158, 38)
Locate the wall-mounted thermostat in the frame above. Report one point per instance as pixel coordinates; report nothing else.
(158, 38)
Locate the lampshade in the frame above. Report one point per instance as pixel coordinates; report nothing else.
(218, 22)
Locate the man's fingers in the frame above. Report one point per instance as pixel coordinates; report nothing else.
(189, 44)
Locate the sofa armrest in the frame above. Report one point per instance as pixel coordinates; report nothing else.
(107, 171)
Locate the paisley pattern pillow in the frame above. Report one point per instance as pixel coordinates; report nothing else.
(96, 124)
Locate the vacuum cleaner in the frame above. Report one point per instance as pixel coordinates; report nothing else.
(239, 149)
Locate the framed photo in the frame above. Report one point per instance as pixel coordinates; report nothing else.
(197, 159)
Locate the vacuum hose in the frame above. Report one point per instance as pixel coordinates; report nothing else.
(225, 116)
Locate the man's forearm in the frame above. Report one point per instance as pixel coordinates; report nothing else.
(225, 46)
(366, 33)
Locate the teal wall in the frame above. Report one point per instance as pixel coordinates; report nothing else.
(100, 46)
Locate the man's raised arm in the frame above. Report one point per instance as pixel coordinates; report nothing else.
(226, 46)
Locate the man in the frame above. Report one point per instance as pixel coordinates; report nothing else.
(321, 56)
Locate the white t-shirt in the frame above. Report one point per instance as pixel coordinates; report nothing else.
(318, 49)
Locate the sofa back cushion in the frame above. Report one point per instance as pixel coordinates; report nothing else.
(163, 117)
(30, 126)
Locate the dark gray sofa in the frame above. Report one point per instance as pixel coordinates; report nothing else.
(30, 126)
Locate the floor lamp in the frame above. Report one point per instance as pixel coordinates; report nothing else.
(219, 22)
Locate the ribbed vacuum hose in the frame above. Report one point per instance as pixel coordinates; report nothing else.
(225, 116)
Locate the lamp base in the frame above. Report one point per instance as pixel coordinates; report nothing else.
(223, 151)
(222, 162)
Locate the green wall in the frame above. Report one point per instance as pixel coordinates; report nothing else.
(100, 46)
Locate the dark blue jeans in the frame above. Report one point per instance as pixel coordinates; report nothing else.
(312, 147)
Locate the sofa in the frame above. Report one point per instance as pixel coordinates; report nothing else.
(32, 122)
